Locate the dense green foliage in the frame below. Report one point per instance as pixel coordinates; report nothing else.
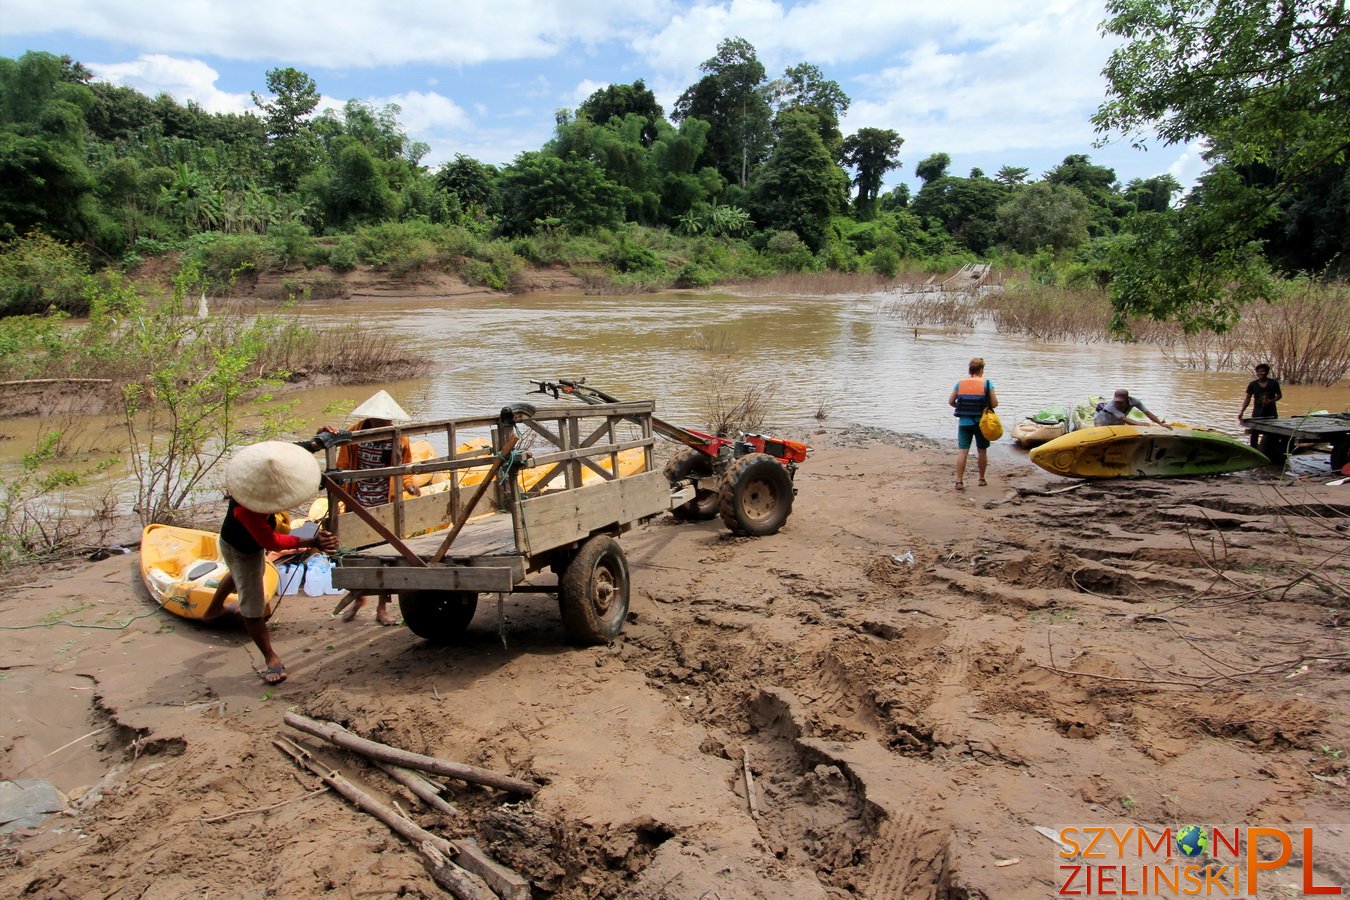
(752, 174)
(1266, 84)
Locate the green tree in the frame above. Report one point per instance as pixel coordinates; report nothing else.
(470, 181)
(804, 88)
(676, 156)
(801, 186)
(1044, 215)
(45, 182)
(192, 408)
(1265, 83)
(1151, 194)
(293, 148)
(1012, 175)
(539, 190)
(967, 208)
(730, 97)
(871, 152)
(358, 192)
(933, 167)
(619, 100)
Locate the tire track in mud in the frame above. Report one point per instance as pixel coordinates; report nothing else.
(899, 867)
(803, 707)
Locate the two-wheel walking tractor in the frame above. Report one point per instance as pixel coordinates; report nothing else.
(748, 481)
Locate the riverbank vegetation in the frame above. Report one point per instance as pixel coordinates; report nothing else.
(748, 176)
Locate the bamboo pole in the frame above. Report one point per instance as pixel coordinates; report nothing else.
(749, 784)
(421, 788)
(467, 854)
(464, 885)
(336, 734)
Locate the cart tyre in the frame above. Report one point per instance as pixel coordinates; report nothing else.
(593, 592)
(690, 463)
(756, 495)
(441, 617)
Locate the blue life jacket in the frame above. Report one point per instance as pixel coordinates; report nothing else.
(972, 396)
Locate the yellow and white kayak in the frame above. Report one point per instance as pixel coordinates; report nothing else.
(182, 567)
(1128, 451)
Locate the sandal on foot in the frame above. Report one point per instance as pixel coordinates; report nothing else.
(274, 674)
(960, 485)
(983, 483)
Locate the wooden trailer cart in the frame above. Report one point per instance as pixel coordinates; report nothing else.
(491, 516)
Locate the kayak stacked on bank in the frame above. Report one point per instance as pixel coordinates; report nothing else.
(1046, 425)
(1129, 451)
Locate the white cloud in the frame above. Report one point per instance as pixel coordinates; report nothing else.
(584, 90)
(340, 33)
(1033, 84)
(428, 113)
(1190, 164)
(182, 79)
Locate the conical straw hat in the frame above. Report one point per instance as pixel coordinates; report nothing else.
(381, 406)
(272, 476)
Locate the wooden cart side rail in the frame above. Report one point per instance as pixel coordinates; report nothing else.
(406, 516)
(558, 519)
(475, 460)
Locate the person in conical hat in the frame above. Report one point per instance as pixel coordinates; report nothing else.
(378, 411)
(263, 480)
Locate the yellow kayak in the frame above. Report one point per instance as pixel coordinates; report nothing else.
(182, 567)
(1127, 451)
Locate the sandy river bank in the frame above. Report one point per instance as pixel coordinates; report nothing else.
(1138, 652)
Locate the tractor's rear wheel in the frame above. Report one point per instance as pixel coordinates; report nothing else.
(593, 592)
(756, 495)
(441, 617)
(690, 463)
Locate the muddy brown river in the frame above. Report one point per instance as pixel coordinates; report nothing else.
(846, 356)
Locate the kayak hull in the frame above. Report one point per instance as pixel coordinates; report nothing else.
(182, 567)
(1125, 451)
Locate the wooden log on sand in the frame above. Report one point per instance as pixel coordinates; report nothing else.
(463, 884)
(452, 877)
(467, 854)
(421, 788)
(341, 737)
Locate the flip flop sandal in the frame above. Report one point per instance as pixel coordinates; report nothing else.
(960, 485)
(273, 674)
(983, 483)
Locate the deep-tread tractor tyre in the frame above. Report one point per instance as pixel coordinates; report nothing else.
(690, 463)
(756, 495)
(441, 617)
(593, 592)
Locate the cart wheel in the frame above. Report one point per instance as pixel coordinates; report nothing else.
(441, 617)
(756, 495)
(593, 592)
(690, 463)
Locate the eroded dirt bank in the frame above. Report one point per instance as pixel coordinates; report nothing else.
(1134, 652)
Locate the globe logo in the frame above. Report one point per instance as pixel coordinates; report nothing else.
(1192, 841)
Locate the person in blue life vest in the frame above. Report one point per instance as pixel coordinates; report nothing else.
(970, 397)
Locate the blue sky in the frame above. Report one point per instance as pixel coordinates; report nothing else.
(990, 82)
